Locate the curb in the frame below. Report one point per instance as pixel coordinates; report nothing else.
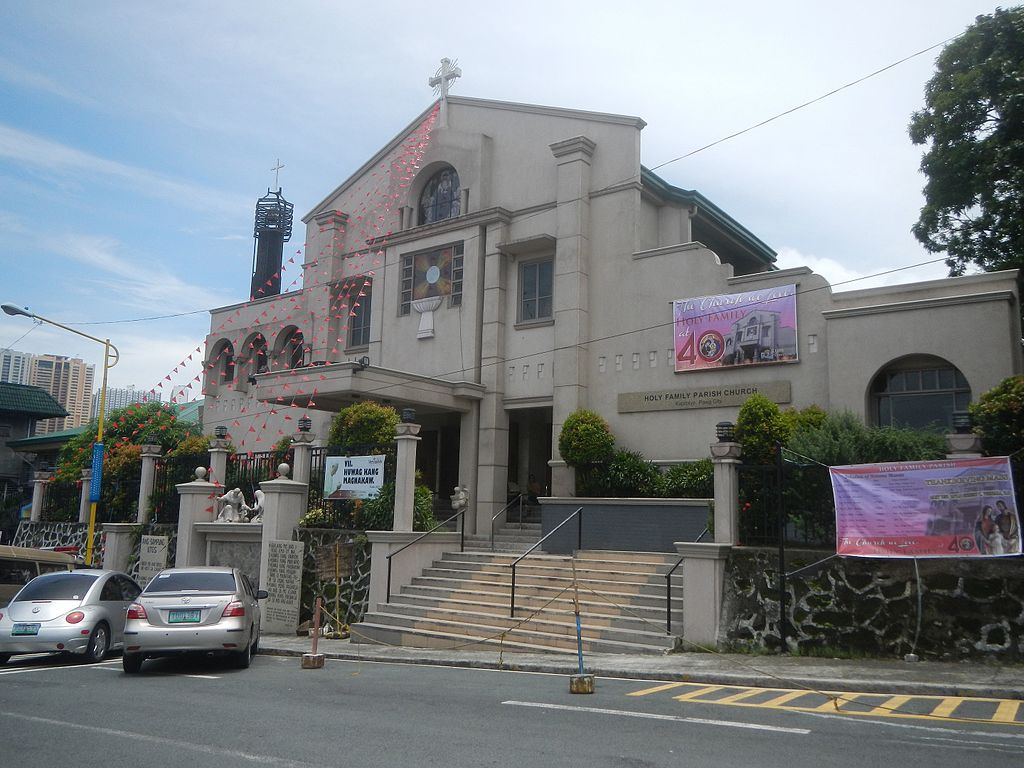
(710, 677)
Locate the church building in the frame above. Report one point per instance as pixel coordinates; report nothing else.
(497, 266)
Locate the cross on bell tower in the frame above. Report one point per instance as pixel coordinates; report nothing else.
(441, 82)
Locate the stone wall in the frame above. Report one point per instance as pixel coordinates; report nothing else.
(351, 591)
(859, 606)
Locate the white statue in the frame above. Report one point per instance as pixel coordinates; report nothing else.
(233, 501)
(460, 498)
(255, 513)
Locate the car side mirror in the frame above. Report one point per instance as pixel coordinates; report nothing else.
(262, 594)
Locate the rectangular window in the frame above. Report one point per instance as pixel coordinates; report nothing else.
(535, 290)
(437, 272)
(359, 316)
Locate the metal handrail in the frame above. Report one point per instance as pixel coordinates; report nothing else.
(578, 514)
(462, 543)
(496, 515)
(668, 584)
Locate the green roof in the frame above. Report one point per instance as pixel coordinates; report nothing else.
(34, 401)
(757, 251)
(49, 440)
(191, 412)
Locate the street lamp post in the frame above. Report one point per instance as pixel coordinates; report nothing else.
(110, 358)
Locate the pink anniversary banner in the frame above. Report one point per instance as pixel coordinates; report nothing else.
(948, 508)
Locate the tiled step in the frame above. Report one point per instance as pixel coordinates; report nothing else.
(463, 600)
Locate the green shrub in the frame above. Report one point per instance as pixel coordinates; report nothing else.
(629, 474)
(760, 426)
(585, 438)
(998, 417)
(378, 512)
(844, 439)
(695, 480)
(363, 424)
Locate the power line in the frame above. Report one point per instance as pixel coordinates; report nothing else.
(791, 110)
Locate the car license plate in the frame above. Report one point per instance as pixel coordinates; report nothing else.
(25, 629)
(190, 616)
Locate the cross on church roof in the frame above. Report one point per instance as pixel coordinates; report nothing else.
(278, 165)
(444, 76)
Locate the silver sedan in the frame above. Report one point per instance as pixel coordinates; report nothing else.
(194, 610)
(78, 612)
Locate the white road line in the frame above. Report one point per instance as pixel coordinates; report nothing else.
(651, 716)
(52, 669)
(942, 728)
(176, 743)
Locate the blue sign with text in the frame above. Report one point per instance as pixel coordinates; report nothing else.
(97, 472)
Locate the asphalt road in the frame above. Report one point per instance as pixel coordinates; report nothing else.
(199, 713)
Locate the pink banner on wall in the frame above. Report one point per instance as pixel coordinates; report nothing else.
(752, 328)
(949, 508)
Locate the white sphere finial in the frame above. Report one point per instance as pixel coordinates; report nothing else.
(283, 469)
(200, 473)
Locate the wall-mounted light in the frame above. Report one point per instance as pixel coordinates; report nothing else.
(251, 379)
(220, 432)
(725, 431)
(305, 424)
(363, 362)
(408, 415)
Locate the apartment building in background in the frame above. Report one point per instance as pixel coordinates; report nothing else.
(69, 380)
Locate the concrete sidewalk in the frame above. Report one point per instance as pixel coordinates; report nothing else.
(862, 675)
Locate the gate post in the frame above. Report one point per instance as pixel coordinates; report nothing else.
(302, 455)
(725, 454)
(197, 502)
(83, 504)
(405, 471)
(219, 461)
(147, 481)
(39, 483)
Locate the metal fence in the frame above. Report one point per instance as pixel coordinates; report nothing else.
(61, 501)
(247, 470)
(788, 503)
(170, 471)
(318, 466)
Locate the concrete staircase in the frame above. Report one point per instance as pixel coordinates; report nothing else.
(463, 600)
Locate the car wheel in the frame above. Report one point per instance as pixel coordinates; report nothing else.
(132, 662)
(99, 644)
(244, 658)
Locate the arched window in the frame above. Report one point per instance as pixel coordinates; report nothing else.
(220, 370)
(441, 197)
(290, 349)
(919, 392)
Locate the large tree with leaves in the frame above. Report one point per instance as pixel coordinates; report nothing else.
(973, 126)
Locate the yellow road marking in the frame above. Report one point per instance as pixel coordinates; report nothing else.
(833, 705)
(742, 695)
(946, 708)
(1006, 712)
(890, 705)
(657, 689)
(698, 692)
(779, 700)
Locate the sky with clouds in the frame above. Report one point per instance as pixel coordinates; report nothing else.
(136, 137)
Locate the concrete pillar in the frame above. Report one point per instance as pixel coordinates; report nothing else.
(39, 483)
(147, 481)
(197, 502)
(83, 503)
(726, 459)
(405, 475)
(571, 292)
(283, 504)
(219, 449)
(483, 457)
(302, 450)
(703, 590)
(117, 547)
